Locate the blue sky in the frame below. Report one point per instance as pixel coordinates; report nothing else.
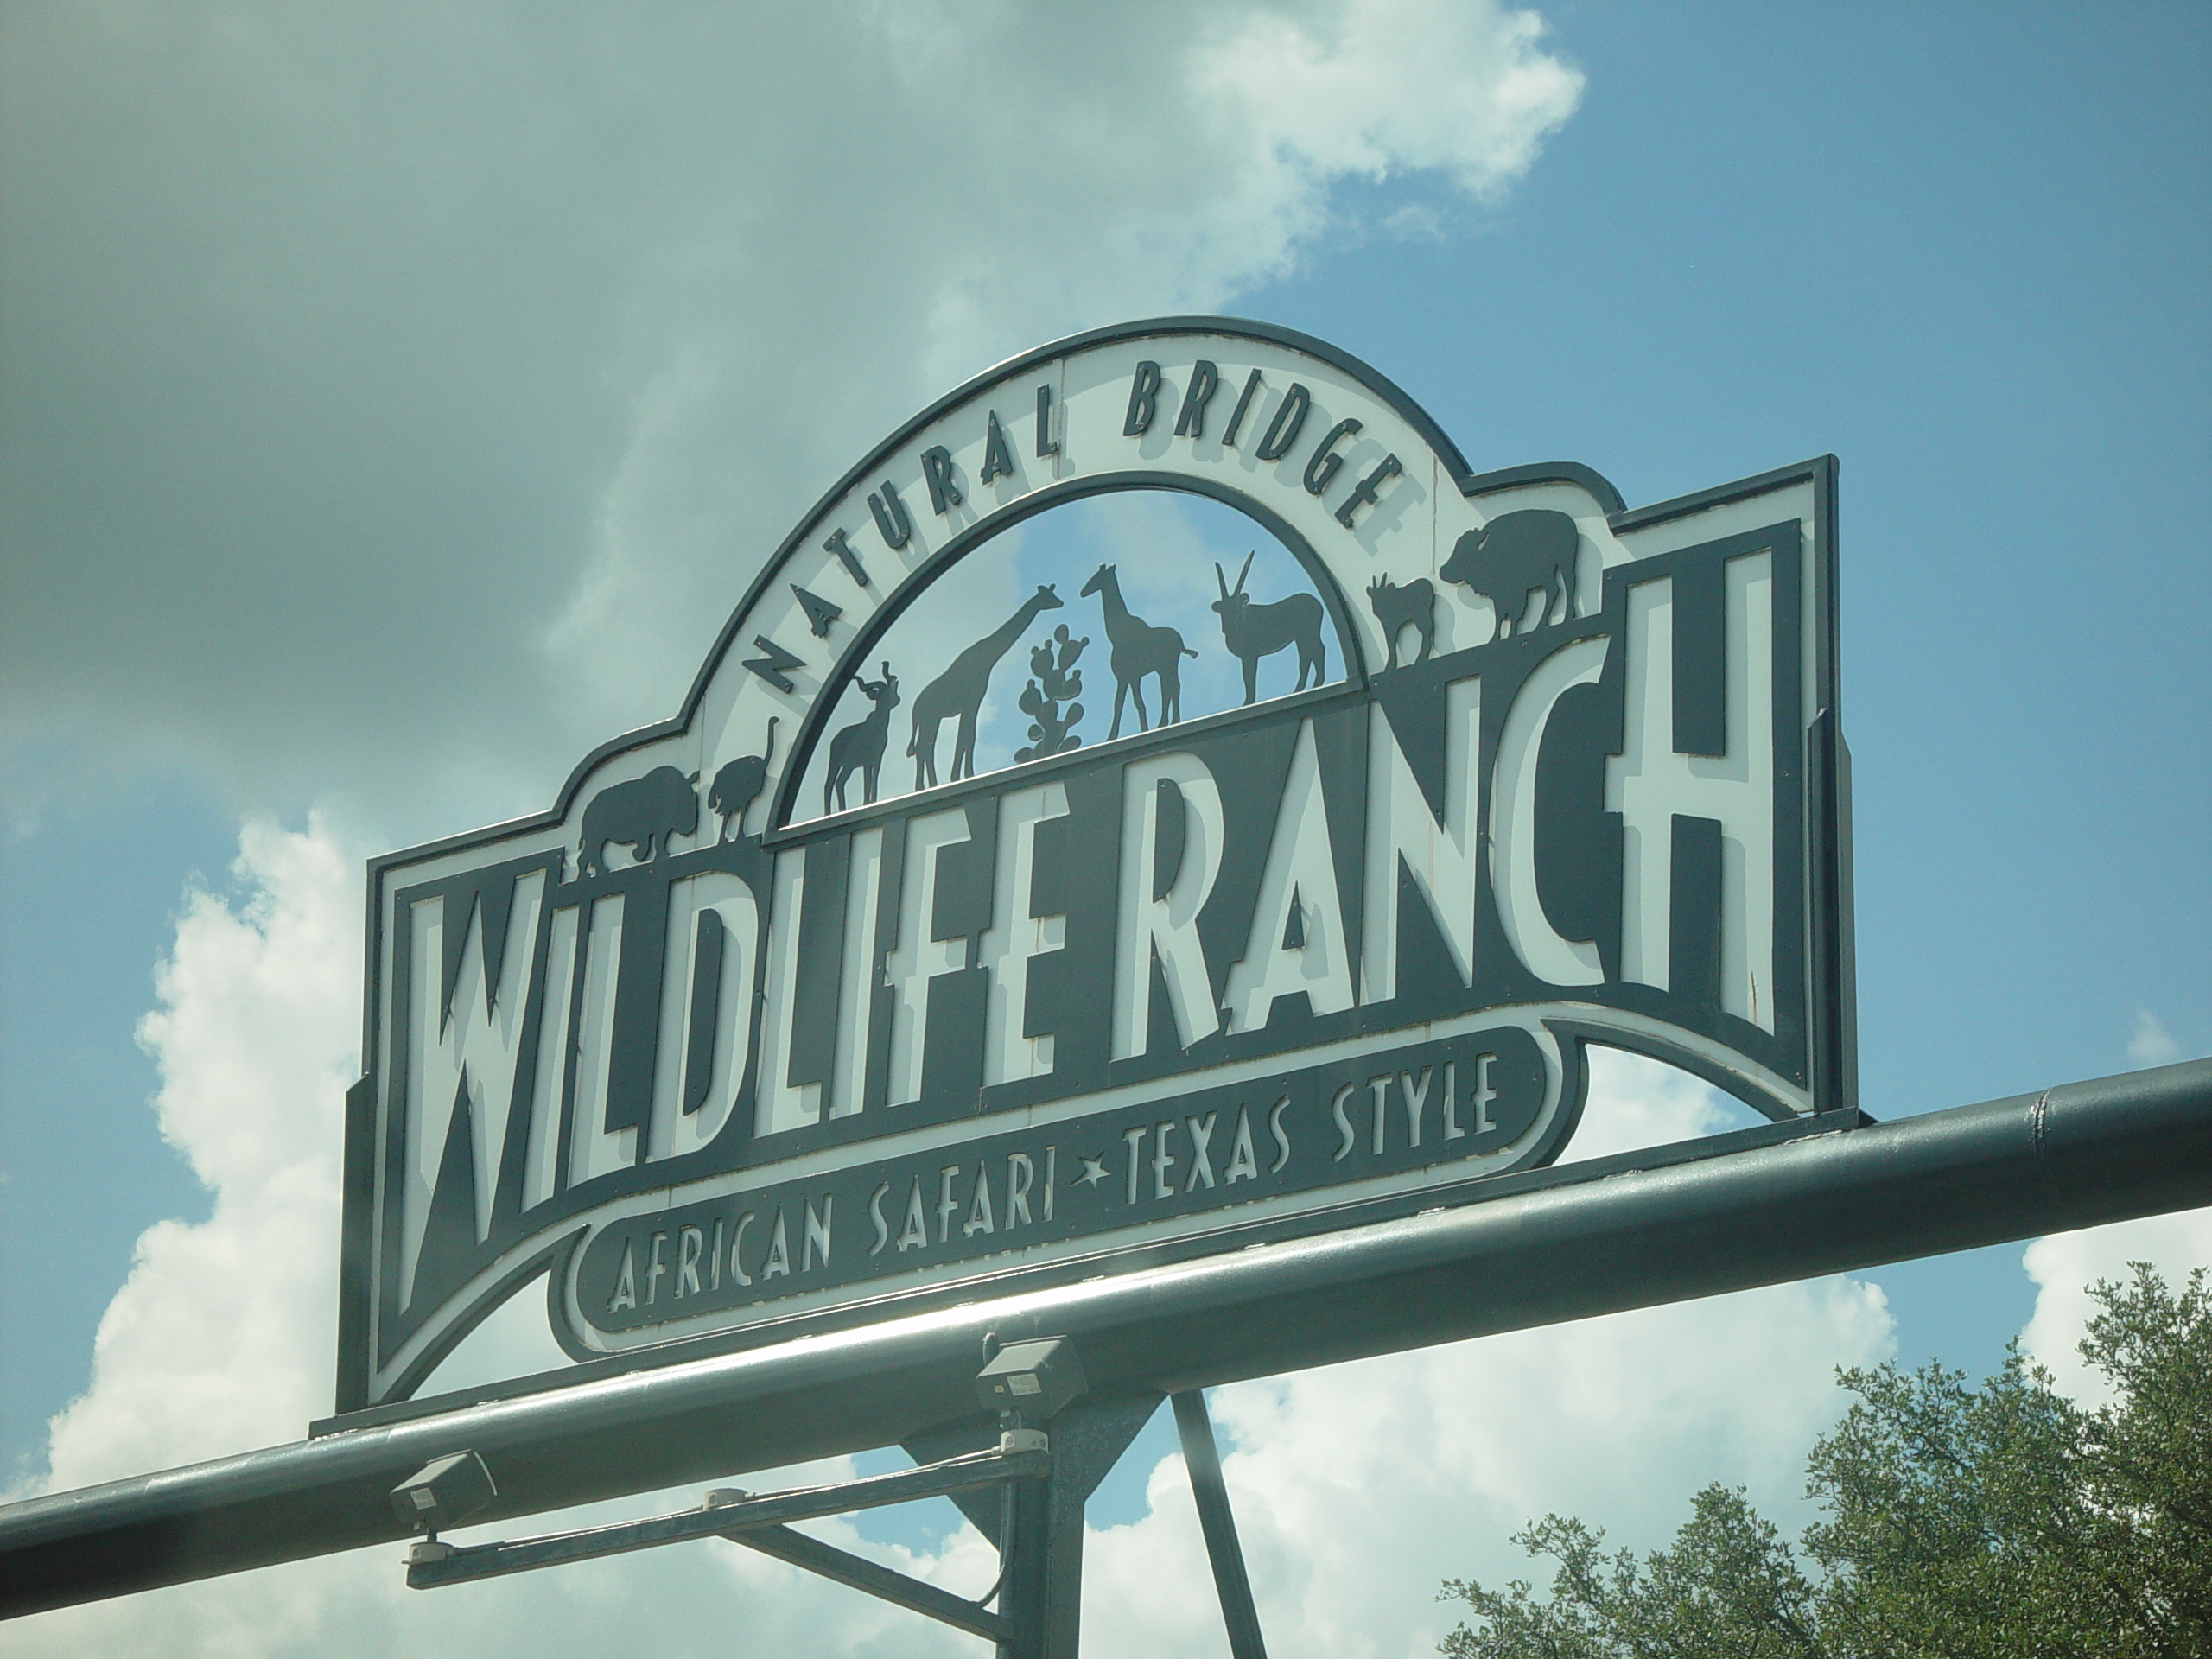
(1164, 548)
(1967, 250)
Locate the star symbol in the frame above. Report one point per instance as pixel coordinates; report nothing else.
(1094, 1171)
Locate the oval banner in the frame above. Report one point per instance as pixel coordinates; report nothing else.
(1161, 801)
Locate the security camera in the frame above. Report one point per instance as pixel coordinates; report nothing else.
(1033, 1378)
(443, 1493)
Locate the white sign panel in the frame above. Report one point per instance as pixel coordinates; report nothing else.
(1161, 800)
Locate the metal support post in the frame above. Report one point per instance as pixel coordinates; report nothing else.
(1025, 1568)
(1059, 1625)
(1088, 1438)
(1203, 1458)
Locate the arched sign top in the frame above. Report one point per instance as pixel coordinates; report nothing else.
(1159, 800)
(1165, 649)
(1184, 337)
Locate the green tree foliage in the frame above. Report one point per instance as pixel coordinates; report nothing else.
(1998, 1522)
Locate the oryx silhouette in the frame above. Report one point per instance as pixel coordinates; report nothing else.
(1252, 632)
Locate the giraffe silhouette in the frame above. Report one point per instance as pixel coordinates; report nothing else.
(1139, 649)
(959, 692)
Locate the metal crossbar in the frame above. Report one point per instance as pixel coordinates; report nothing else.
(744, 1520)
(1662, 1225)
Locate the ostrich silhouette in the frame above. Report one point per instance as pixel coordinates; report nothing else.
(958, 693)
(1139, 649)
(736, 785)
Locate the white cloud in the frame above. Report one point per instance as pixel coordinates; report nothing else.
(418, 390)
(256, 1045)
(222, 1338)
(1635, 1102)
(2065, 1265)
(2150, 1043)
(1380, 86)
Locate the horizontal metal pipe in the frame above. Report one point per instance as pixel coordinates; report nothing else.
(2135, 1145)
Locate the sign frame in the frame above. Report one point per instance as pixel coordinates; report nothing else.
(1829, 1087)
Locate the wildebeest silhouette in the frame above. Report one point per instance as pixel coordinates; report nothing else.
(1139, 649)
(639, 814)
(1513, 555)
(736, 786)
(1252, 632)
(1413, 606)
(859, 746)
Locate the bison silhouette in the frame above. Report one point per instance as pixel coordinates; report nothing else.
(641, 815)
(1511, 556)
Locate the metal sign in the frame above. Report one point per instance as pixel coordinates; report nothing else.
(1161, 801)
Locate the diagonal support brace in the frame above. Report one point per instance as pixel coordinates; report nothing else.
(901, 1589)
(1203, 1458)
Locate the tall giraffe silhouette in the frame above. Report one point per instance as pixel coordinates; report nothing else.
(959, 691)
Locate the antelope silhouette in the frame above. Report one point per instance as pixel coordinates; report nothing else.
(859, 746)
(959, 692)
(1139, 649)
(737, 785)
(1252, 632)
(1398, 608)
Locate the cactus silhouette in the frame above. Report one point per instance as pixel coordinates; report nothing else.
(1049, 698)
